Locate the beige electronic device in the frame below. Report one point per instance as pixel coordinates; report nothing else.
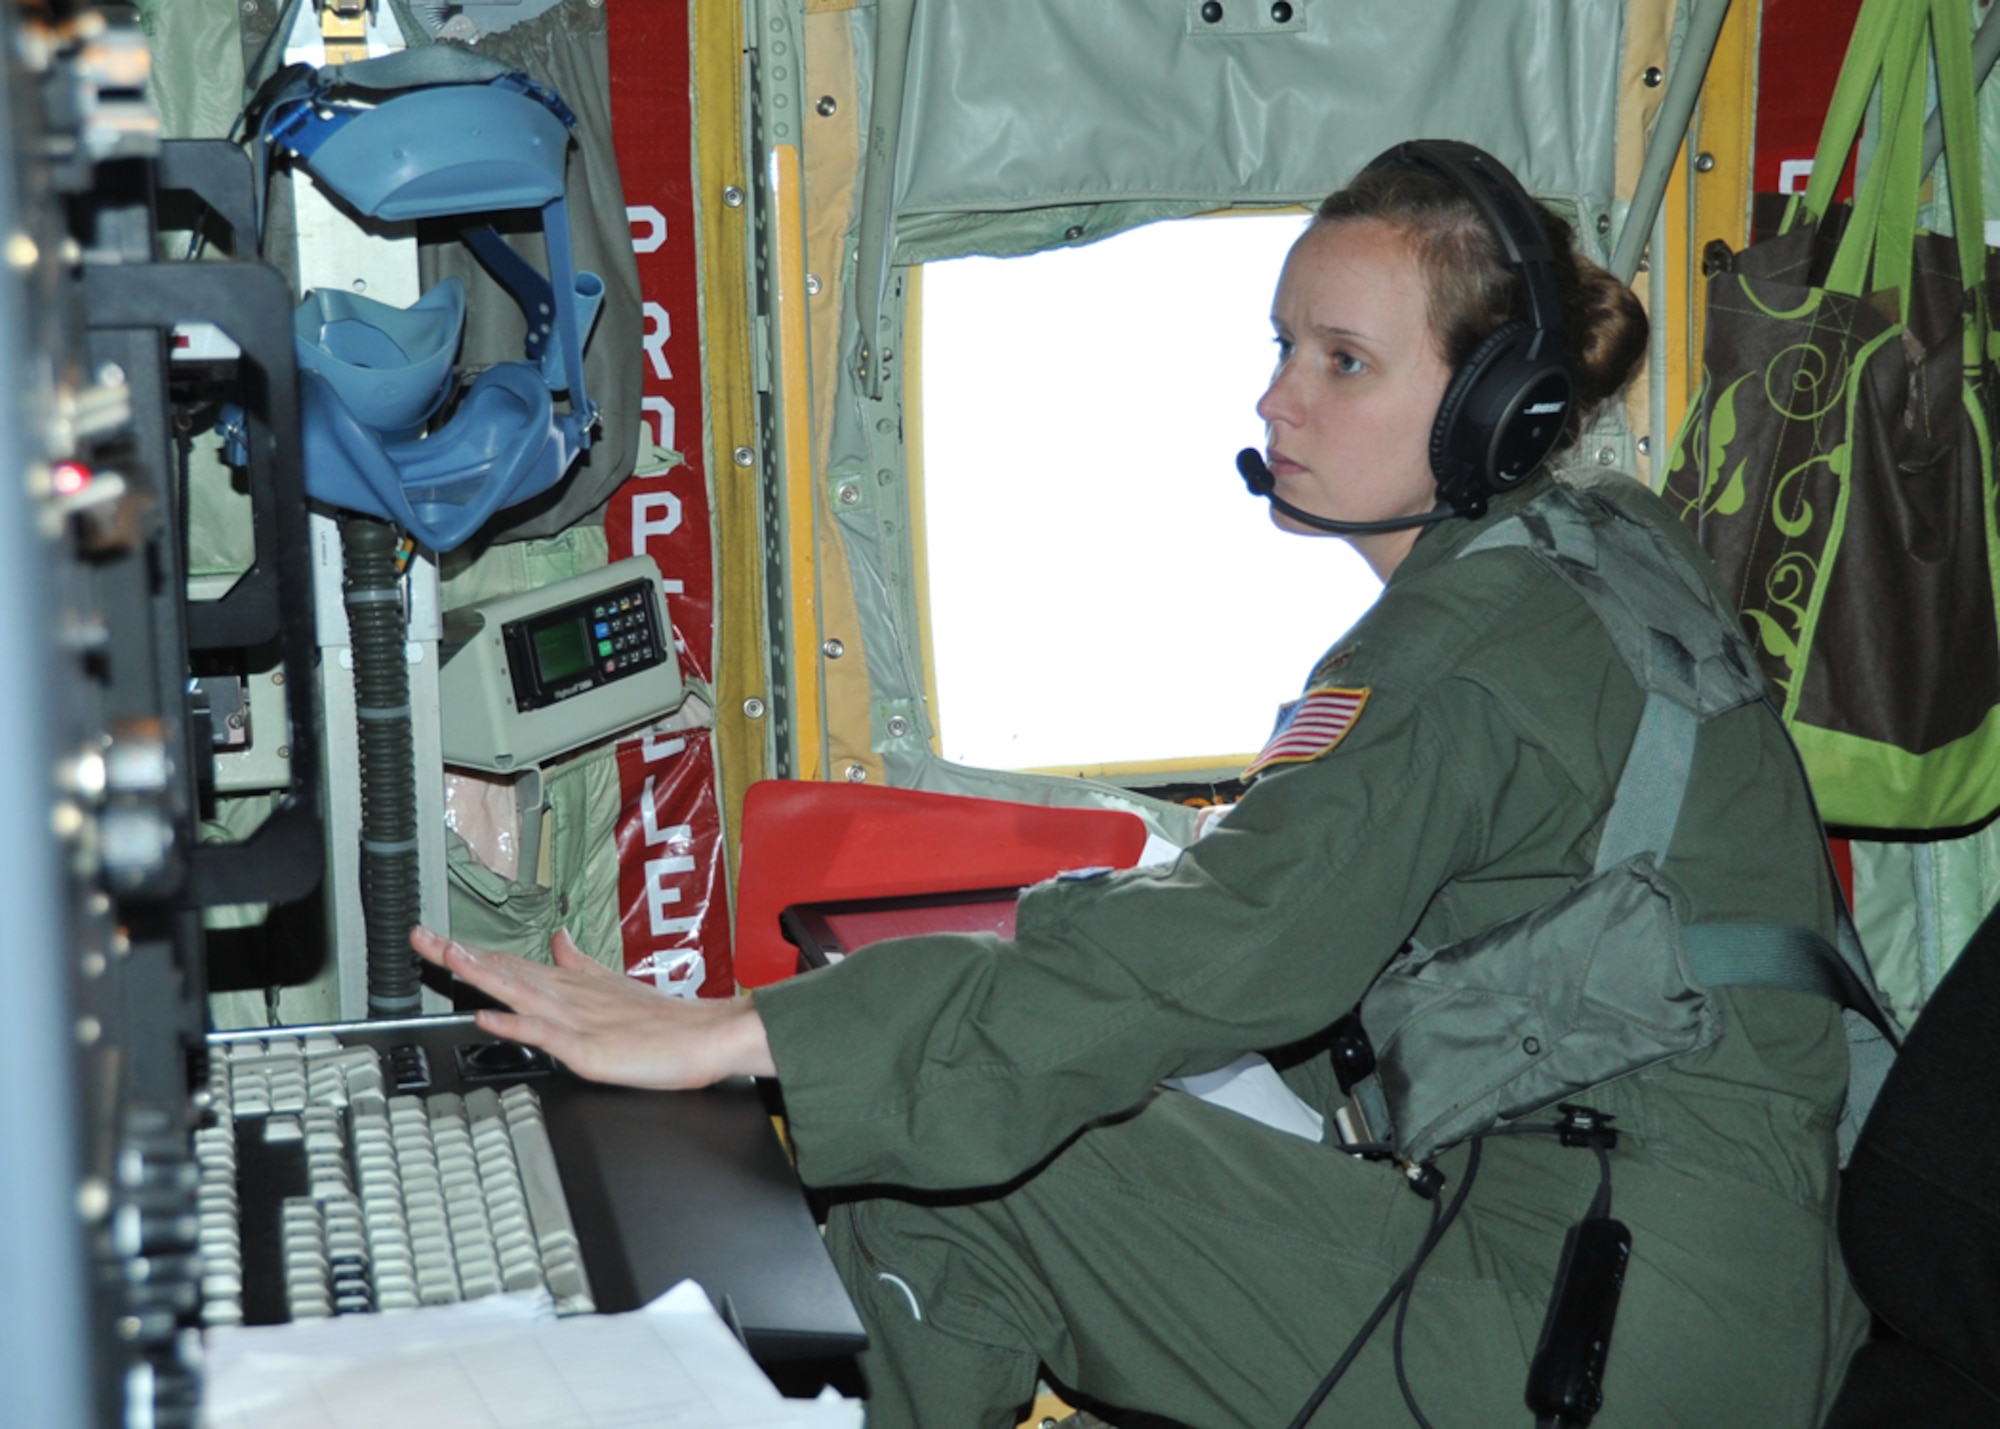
(528, 677)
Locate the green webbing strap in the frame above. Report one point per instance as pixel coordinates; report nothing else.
(420, 68)
(1780, 956)
(1764, 955)
(1647, 806)
(1860, 994)
(1800, 960)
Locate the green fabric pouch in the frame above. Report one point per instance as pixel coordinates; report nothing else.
(1590, 987)
(1837, 462)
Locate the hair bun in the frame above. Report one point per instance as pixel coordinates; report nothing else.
(1607, 334)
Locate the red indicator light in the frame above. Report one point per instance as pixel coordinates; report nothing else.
(71, 477)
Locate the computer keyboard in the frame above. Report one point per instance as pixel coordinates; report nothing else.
(331, 1184)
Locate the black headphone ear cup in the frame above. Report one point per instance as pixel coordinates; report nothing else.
(1459, 438)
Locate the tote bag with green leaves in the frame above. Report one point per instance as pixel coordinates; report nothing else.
(1837, 461)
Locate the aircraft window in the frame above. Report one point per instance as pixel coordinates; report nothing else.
(1102, 588)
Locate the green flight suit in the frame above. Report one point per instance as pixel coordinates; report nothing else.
(1177, 1258)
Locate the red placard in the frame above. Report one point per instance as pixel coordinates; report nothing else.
(670, 866)
(1798, 60)
(673, 904)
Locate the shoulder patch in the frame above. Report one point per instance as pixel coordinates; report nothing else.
(1309, 727)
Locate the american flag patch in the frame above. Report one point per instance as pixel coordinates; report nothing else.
(1309, 727)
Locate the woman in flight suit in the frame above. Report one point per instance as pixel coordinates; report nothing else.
(1018, 1196)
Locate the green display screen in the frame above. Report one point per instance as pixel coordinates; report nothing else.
(562, 650)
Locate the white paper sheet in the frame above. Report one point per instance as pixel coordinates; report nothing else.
(502, 1363)
(1158, 852)
(1251, 1086)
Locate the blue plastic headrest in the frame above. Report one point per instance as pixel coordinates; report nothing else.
(434, 152)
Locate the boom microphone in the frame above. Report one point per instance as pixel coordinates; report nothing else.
(1258, 478)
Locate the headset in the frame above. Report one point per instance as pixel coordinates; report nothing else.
(1504, 409)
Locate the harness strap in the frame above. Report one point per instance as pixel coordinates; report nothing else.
(1766, 955)
(1647, 806)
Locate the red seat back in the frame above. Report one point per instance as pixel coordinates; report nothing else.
(809, 842)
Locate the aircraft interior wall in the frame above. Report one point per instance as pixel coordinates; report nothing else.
(846, 146)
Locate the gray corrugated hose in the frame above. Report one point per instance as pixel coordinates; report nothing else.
(378, 631)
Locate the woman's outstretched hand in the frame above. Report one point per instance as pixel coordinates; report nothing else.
(602, 1024)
